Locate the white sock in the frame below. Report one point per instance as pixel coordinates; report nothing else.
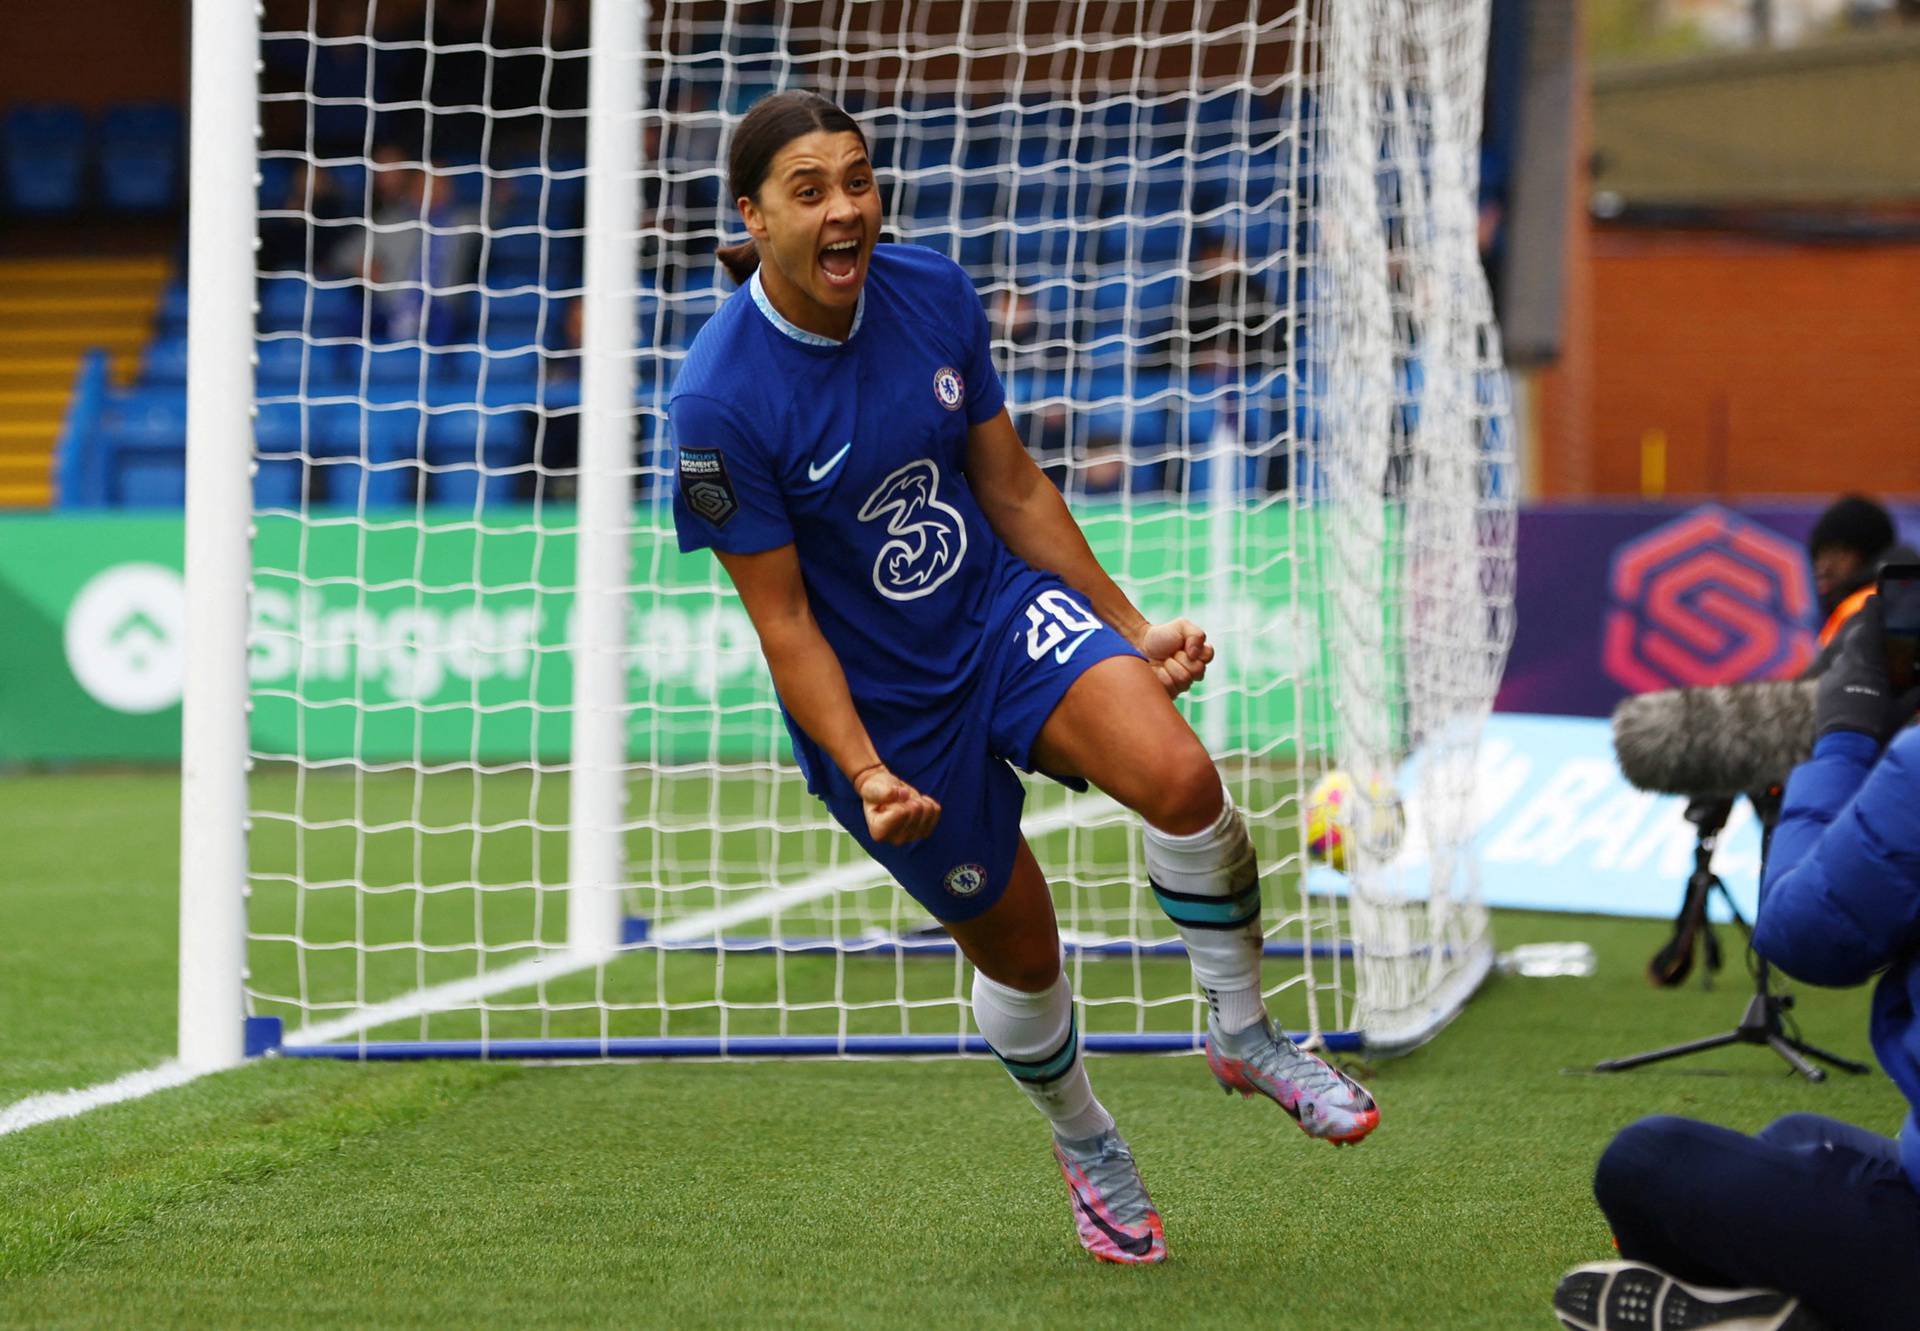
(1038, 1042)
(1208, 883)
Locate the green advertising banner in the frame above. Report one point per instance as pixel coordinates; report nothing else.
(397, 640)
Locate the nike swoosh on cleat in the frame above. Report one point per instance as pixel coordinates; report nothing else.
(1063, 654)
(817, 470)
(1139, 1245)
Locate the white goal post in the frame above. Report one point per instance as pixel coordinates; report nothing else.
(476, 764)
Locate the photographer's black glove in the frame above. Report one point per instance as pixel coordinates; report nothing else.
(1856, 692)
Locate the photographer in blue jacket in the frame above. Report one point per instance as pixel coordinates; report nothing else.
(1812, 1223)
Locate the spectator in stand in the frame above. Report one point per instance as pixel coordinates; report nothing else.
(304, 243)
(418, 252)
(1232, 317)
(1853, 540)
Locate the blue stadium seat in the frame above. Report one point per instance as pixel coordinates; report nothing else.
(1042, 195)
(931, 197)
(560, 393)
(1043, 135)
(397, 367)
(469, 183)
(1044, 247)
(1218, 118)
(460, 444)
(294, 304)
(514, 320)
(453, 377)
(276, 177)
(283, 304)
(165, 362)
(385, 473)
(1162, 193)
(515, 203)
(147, 418)
(280, 427)
(566, 203)
(287, 362)
(514, 260)
(140, 157)
(45, 148)
(510, 380)
(1104, 242)
(988, 139)
(1156, 306)
(339, 113)
(334, 429)
(171, 317)
(277, 483)
(150, 479)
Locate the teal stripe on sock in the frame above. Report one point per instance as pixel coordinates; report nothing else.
(1053, 1065)
(1210, 912)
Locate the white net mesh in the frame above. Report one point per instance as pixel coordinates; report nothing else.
(1228, 252)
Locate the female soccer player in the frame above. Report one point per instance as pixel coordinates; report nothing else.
(933, 617)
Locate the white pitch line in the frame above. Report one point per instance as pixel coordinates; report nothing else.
(56, 1105)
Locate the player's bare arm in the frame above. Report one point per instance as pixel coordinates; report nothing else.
(1028, 514)
(813, 686)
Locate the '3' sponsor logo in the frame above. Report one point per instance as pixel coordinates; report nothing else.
(928, 538)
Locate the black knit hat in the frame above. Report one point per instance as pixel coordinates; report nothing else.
(1853, 523)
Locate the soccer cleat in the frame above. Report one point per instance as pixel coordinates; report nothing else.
(1111, 1209)
(1632, 1296)
(1323, 1100)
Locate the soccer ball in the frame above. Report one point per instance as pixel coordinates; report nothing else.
(1341, 812)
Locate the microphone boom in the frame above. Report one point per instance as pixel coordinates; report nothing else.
(1722, 740)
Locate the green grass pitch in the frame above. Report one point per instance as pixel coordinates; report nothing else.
(307, 1195)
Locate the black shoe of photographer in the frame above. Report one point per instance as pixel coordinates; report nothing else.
(1632, 1296)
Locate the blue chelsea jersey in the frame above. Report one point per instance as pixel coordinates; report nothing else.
(854, 453)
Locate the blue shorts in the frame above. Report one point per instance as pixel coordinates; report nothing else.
(964, 866)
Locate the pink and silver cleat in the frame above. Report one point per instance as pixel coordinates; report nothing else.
(1111, 1209)
(1323, 1100)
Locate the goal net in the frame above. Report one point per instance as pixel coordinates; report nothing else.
(517, 780)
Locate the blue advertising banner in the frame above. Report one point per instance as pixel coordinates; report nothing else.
(1560, 829)
(1623, 599)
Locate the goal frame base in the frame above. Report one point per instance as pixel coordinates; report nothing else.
(264, 1039)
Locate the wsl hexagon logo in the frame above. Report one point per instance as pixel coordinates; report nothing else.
(1709, 598)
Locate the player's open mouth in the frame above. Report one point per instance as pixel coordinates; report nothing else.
(840, 262)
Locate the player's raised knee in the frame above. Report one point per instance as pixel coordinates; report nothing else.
(1184, 794)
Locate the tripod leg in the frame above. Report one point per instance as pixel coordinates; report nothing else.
(1844, 1064)
(1784, 1047)
(1672, 1051)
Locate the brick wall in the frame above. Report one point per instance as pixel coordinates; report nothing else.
(95, 52)
(1771, 367)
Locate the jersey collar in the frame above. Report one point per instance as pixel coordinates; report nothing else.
(794, 331)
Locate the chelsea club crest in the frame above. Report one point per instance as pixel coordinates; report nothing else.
(963, 880)
(949, 387)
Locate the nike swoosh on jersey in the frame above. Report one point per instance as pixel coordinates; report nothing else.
(1061, 654)
(817, 470)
